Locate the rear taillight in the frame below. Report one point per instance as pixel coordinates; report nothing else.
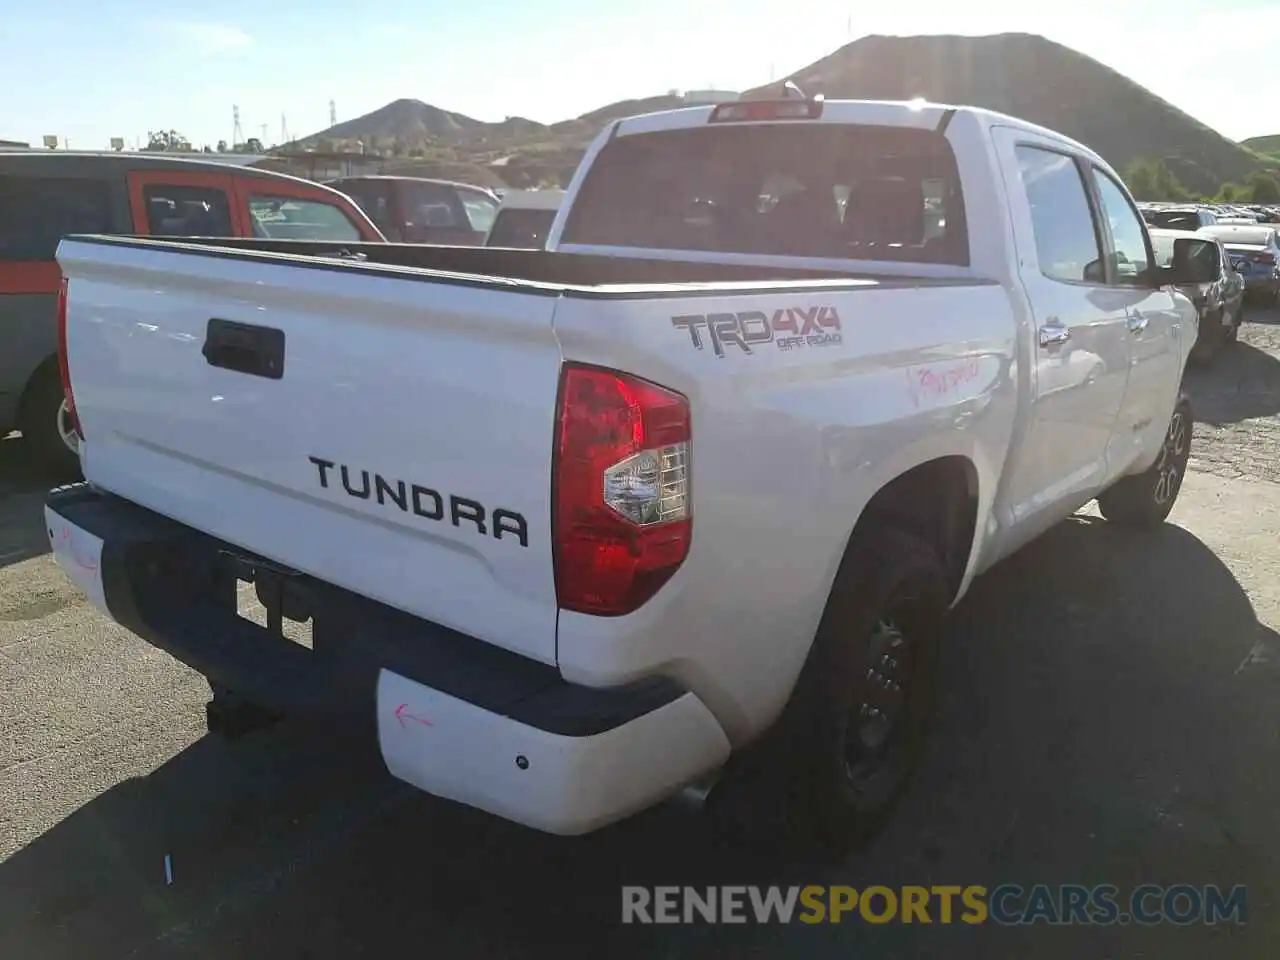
(621, 490)
(64, 368)
(1263, 258)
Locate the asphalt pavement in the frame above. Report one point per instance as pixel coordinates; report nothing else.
(1111, 715)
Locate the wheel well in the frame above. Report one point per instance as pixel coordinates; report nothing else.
(48, 367)
(938, 501)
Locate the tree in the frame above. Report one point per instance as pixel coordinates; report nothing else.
(1263, 188)
(222, 146)
(1229, 193)
(167, 140)
(1150, 179)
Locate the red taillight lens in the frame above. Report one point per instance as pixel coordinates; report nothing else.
(621, 488)
(64, 368)
(1263, 258)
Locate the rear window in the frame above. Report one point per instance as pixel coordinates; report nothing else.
(838, 191)
(521, 228)
(1173, 219)
(287, 218)
(37, 212)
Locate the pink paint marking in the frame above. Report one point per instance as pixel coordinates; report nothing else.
(402, 715)
(936, 382)
(65, 539)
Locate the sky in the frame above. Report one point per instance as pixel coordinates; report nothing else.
(97, 69)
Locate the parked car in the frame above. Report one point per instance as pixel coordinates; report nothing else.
(1254, 250)
(1179, 218)
(1213, 286)
(45, 195)
(699, 480)
(524, 219)
(418, 210)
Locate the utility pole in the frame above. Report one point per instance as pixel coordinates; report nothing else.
(237, 133)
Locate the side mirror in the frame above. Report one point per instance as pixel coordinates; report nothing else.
(1195, 261)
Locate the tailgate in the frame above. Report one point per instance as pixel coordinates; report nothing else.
(383, 431)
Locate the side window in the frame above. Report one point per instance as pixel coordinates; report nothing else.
(481, 211)
(288, 218)
(1128, 237)
(36, 213)
(373, 197)
(1066, 240)
(428, 205)
(181, 211)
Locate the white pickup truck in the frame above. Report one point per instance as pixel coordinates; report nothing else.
(680, 499)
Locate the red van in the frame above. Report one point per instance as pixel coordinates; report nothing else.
(45, 195)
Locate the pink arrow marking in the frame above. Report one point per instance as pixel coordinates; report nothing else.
(402, 715)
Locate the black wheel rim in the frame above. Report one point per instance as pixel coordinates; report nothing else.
(1172, 459)
(878, 719)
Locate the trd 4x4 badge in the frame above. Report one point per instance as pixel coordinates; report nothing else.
(790, 328)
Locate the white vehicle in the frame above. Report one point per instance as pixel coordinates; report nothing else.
(525, 218)
(698, 482)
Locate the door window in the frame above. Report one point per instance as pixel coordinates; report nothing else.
(428, 205)
(1066, 238)
(37, 212)
(481, 211)
(1130, 257)
(374, 198)
(289, 218)
(184, 211)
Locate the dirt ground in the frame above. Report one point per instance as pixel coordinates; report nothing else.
(1111, 716)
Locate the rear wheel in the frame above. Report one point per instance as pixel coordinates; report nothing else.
(832, 769)
(1147, 498)
(45, 422)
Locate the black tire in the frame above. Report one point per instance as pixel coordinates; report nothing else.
(816, 782)
(38, 421)
(1146, 499)
(1208, 347)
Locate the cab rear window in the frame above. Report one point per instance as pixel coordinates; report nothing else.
(841, 191)
(37, 212)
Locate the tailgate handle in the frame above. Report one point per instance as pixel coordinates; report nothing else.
(245, 348)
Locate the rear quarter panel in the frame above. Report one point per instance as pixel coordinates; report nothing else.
(790, 442)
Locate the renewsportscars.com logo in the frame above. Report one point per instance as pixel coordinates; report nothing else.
(1006, 905)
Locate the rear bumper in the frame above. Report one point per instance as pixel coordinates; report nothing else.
(456, 717)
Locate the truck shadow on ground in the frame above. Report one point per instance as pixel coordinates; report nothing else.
(22, 489)
(1105, 705)
(1243, 383)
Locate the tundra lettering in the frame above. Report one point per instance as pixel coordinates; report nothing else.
(425, 502)
(790, 327)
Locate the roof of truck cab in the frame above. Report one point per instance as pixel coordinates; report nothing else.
(85, 164)
(391, 176)
(919, 114)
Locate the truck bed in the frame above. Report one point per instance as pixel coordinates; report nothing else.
(558, 271)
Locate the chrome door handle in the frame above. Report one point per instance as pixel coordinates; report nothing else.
(1054, 334)
(1137, 323)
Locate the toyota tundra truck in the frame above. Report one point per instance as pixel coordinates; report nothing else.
(679, 501)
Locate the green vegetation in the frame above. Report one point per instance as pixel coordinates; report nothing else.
(1151, 179)
(1266, 146)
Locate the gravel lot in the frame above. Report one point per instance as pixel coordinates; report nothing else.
(1110, 716)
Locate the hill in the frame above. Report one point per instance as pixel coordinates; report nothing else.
(1035, 79)
(1269, 146)
(1022, 75)
(409, 121)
